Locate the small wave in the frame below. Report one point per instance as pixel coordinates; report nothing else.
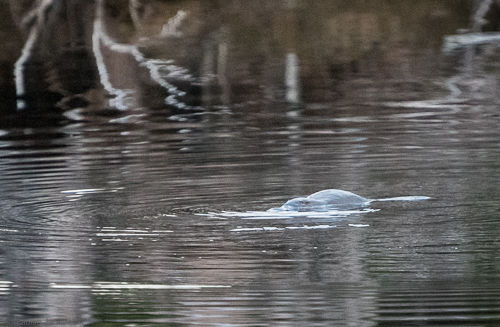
(272, 229)
(410, 198)
(273, 214)
(112, 234)
(74, 195)
(358, 225)
(5, 287)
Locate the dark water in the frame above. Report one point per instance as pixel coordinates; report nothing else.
(141, 144)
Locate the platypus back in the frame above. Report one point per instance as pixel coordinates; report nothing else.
(325, 200)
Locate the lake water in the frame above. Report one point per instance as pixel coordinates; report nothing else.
(141, 144)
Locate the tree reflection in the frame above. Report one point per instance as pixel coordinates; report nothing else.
(185, 56)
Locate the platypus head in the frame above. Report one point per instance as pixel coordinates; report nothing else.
(302, 204)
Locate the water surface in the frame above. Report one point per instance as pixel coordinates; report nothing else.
(141, 145)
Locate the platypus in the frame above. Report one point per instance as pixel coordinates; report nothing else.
(336, 199)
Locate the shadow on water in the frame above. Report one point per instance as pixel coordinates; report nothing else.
(142, 140)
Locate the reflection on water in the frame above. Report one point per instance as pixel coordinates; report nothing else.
(142, 141)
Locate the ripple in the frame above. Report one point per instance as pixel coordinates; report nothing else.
(450, 306)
